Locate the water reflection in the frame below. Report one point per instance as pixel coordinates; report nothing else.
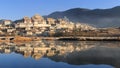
(74, 52)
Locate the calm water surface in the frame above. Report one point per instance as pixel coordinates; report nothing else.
(60, 54)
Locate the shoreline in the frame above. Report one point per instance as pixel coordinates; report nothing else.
(82, 38)
(29, 39)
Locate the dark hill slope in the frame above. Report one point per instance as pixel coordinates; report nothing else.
(98, 17)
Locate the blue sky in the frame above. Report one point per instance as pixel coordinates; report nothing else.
(16, 9)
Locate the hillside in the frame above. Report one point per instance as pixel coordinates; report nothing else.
(97, 17)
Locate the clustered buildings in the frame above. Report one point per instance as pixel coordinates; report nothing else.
(39, 26)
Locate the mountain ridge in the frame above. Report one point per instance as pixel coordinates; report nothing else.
(99, 17)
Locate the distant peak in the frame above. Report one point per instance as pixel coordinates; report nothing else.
(117, 7)
(79, 9)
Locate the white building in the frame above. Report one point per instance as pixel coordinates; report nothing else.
(7, 22)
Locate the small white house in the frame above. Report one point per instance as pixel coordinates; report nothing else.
(7, 22)
(29, 33)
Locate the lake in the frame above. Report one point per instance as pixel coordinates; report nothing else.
(60, 54)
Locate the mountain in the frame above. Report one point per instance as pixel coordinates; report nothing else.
(97, 17)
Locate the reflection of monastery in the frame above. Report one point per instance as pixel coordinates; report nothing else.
(74, 52)
(40, 49)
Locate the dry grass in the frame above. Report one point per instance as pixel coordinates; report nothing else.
(22, 39)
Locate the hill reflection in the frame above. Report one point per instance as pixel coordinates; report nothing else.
(74, 52)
